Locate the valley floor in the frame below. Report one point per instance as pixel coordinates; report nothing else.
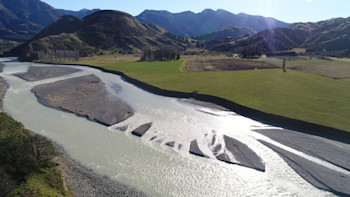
(307, 91)
(316, 173)
(314, 168)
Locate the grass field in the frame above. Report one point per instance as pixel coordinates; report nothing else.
(333, 68)
(138, 68)
(293, 94)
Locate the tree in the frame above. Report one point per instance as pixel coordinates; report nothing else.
(250, 52)
(162, 54)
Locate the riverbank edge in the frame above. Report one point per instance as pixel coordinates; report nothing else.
(3, 88)
(81, 180)
(266, 118)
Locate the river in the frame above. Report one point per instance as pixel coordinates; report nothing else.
(150, 165)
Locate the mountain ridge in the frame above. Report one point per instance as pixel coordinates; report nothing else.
(225, 33)
(110, 30)
(330, 37)
(20, 20)
(188, 23)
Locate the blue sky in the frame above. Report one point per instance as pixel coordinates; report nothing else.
(285, 10)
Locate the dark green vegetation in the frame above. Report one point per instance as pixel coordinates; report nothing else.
(113, 31)
(189, 24)
(25, 162)
(227, 32)
(330, 37)
(161, 54)
(302, 96)
(251, 52)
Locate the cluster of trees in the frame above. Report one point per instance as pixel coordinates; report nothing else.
(58, 55)
(161, 54)
(339, 54)
(22, 152)
(250, 52)
(6, 45)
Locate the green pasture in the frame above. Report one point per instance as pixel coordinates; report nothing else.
(137, 67)
(294, 94)
(332, 68)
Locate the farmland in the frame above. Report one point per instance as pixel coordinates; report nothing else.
(328, 67)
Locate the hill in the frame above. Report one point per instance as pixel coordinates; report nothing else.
(22, 19)
(188, 24)
(226, 32)
(106, 30)
(329, 37)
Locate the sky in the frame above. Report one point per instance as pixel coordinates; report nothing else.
(285, 10)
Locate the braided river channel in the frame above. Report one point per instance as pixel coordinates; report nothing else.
(159, 163)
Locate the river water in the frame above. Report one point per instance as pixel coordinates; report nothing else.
(150, 165)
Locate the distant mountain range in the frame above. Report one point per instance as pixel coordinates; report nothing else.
(91, 31)
(80, 14)
(328, 37)
(188, 24)
(20, 20)
(102, 30)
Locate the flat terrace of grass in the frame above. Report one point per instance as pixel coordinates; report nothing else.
(138, 68)
(292, 94)
(333, 68)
